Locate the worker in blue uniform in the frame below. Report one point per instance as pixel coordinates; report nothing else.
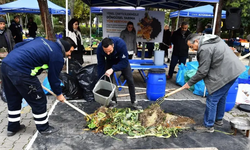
(19, 72)
(112, 55)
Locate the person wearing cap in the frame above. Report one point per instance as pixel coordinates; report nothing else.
(16, 30)
(112, 55)
(208, 29)
(19, 73)
(6, 39)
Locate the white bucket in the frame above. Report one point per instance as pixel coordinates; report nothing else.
(159, 57)
(102, 84)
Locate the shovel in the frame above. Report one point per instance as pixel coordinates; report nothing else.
(160, 100)
(68, 103)
(245, 56)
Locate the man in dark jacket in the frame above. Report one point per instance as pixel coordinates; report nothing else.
(180, 51)
(166, 41)
(6, 39)
(19, 72)
(208, 29)
(32, 28)
(219, 67)
(16, 30)
(112, 55)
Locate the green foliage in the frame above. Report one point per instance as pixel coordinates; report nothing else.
(85, 31)
(37, 19)
(193, 23)
(59, 28)
(59, 2)
(81, 12)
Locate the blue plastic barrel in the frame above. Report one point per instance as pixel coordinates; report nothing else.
(231, 96)
(156, 84)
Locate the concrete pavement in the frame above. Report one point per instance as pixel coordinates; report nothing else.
(22, 139)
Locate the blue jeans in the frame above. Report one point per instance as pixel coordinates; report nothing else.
(174, 60)
(215, 105)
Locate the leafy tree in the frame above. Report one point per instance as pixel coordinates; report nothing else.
(81, 10)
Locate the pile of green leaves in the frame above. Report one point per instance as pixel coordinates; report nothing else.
(126, 121)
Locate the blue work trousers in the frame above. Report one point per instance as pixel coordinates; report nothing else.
(18, 86)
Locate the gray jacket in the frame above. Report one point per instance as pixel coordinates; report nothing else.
(130, 40)
(10, 40)
(218, 65)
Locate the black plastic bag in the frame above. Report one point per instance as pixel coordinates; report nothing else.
(74, 67)
(87, 78)
(71, 88)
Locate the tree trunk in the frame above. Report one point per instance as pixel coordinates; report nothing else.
(173, 20)
(199, 27)
(46, 19)
(71, 7)
(218, 21)
(2, 1)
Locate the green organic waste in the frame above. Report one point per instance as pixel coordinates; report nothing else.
(137, 123)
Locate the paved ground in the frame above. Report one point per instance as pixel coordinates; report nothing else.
(22, 139)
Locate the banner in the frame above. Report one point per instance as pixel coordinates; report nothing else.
(149, 25)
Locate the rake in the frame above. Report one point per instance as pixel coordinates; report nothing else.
(160, 100)
(68, 103)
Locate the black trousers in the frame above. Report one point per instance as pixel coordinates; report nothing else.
(18, 86)
(174, 60)
(127, 74)
(130, 56)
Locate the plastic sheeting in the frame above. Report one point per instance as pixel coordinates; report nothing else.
(72, 136)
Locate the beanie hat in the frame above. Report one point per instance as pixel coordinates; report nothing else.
(2, 19)
(65, 44)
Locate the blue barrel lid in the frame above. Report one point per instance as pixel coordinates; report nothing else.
(156, 70)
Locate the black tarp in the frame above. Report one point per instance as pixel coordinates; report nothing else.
(72, 136)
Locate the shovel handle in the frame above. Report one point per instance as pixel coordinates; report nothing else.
(244, 56)
(175, 91)
(77, 109)
(68, 103)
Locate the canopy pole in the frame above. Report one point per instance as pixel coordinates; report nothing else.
(177, 24)
(66, 24)
(215, 18)
(90, 34)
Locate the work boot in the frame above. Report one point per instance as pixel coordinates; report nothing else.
(218, 122)
(113, 104)
(11, 133)
(136, 106)
(168, 77)
(201, 128)
(49, 131)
